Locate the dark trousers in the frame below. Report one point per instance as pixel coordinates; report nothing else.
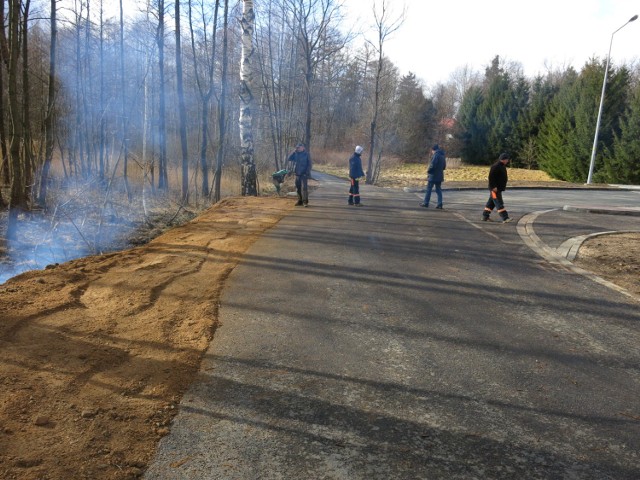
(354, 191)
(495, 201)
(302, 188)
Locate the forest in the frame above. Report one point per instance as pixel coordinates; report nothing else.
(188, 101)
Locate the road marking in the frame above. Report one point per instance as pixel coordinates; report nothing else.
(473, 224)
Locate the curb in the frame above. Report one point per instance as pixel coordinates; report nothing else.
(554, 256)
(603, 210)
(455, 189)
(570, 247)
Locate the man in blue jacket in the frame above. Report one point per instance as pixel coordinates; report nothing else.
(302, 168)
(435, 175)
(355, 172)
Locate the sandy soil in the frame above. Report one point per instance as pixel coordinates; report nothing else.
(97, 352)
(615, 258)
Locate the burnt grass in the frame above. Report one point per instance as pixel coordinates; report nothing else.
(80, 227)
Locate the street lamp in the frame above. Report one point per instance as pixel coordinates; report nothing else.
(604, 85)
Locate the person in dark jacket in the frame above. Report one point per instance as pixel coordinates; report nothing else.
(435, 175)
(302, 168)
(497, 184)
(355, 172)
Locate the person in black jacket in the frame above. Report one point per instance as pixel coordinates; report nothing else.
(497, 184)
(302, 168)
(355, 172)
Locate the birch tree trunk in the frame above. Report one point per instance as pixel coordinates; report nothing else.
(249, 174)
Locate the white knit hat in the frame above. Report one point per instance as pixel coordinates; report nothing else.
(359, 149)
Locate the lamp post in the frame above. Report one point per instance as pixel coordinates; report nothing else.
(604, 86)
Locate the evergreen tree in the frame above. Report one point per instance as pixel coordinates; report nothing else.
(412, 119)
(623, 164)
(489, 120)
(507, 101)
(552, 140)
(542, 91)
(471, 129)
(566, 136)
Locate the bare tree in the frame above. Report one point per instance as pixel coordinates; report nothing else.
(77, 153)
(5, 176)
(123, 93)
(103, 122)
(48, 120)
(27, 146)
(314, 27)
(385, 26)
(163, 178)
(462, 79)
(204, 90)
(182, 109)
(276, 85)
(222, 107)
(18, 201)
(148, 160)
(249, 173)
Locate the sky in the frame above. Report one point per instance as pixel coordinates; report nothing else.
(440, 36)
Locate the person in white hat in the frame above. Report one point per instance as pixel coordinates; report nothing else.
(355, 172)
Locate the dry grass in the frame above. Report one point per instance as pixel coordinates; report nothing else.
(140, 178)
(397, 174)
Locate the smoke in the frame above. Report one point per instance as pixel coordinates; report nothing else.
(81, 221)
(40, 243)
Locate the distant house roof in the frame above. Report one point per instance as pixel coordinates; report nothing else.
(448, 123)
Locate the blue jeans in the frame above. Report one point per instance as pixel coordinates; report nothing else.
(427, 196)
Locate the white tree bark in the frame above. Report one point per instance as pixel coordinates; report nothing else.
(249, 175)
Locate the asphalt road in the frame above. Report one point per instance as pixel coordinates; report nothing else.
(397, 342)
